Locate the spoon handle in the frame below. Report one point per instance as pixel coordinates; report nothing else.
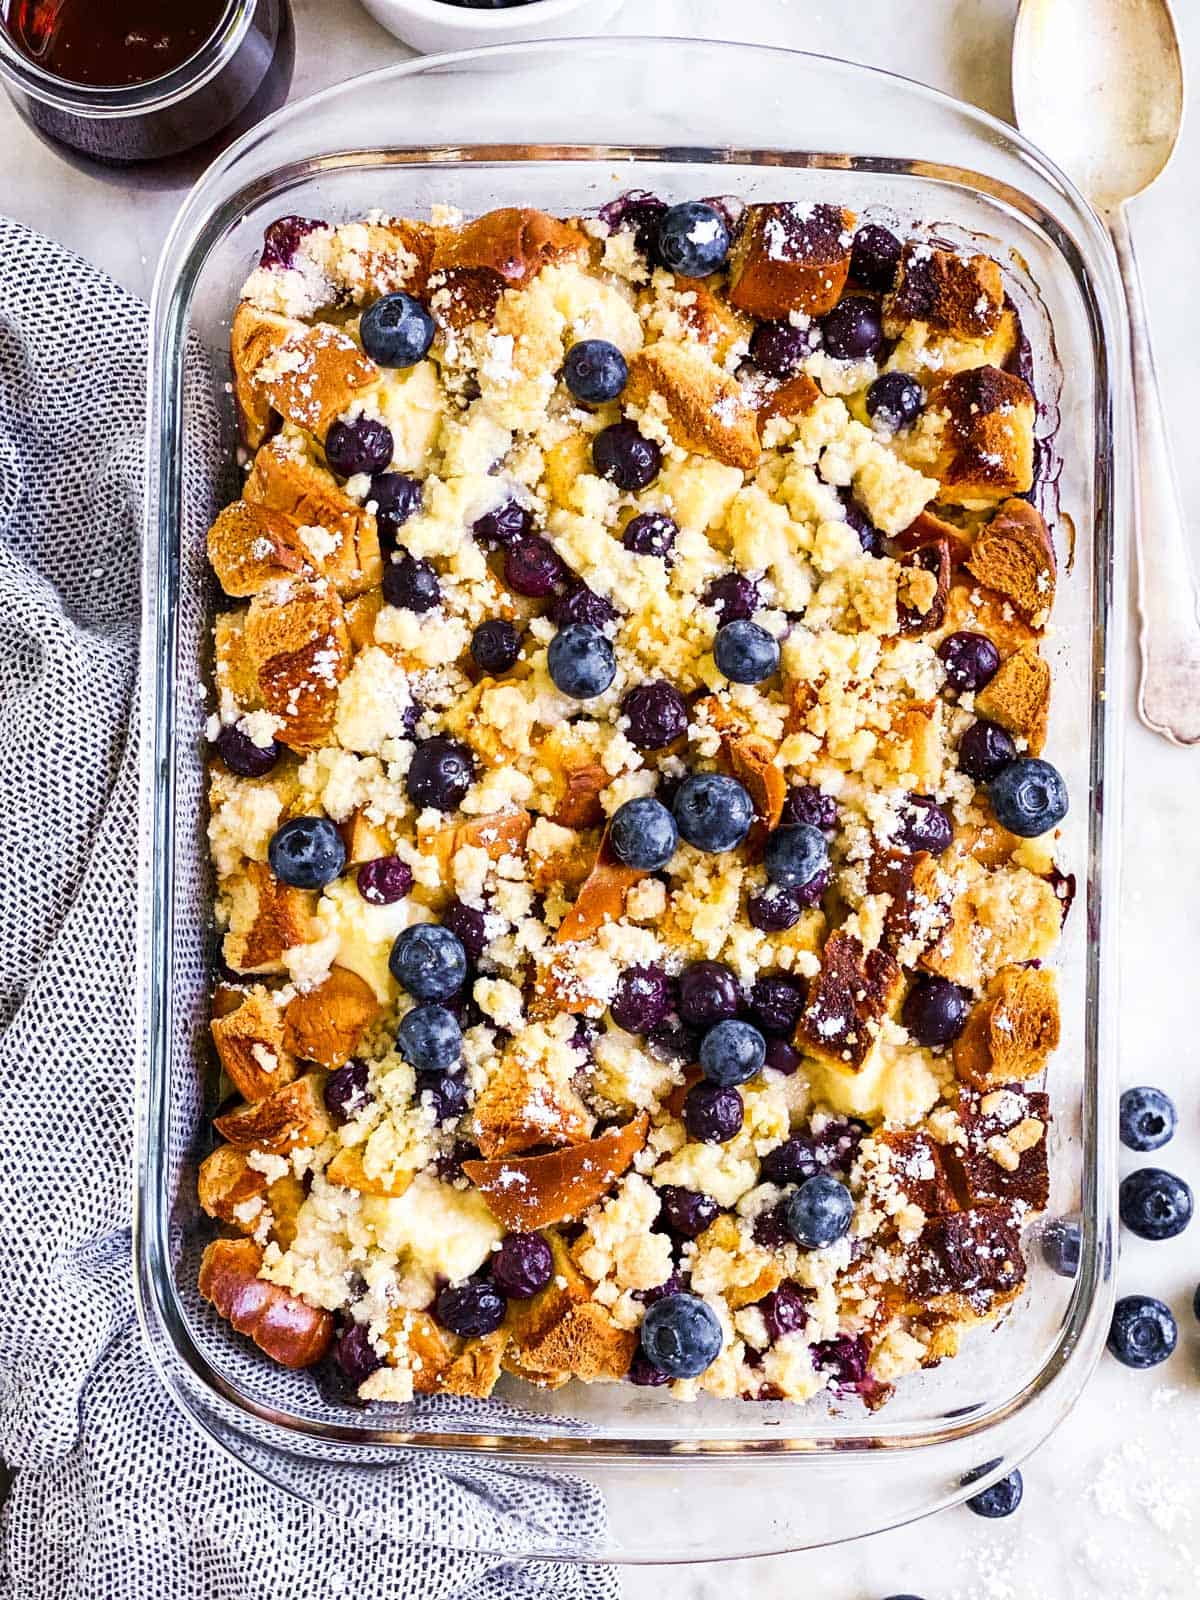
(1169, 694)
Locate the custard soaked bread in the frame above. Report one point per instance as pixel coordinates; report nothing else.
(634, 866)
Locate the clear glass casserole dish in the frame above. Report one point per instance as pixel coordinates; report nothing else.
(612, 1472)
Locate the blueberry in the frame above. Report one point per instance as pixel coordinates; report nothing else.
(578, 603)
(363, 445)
(1148, 1118)
(805, 1155)
(428, 962)
(645, 1374)
(999, 1499)
(595, 371)
(711, 1113)
(806, 804)
(819, 1212)
(732, 1052)
(774, 909)
(853, 330)
(1029, 797)
(674, 1042)
(281, 240)
(505, 524)
(623, 456)
(935, 1012)
(533, 567)
(641, 1000)
(733, 596)
(1143, 1332)
(1062, 1240)
(523, 1266)
(440, 773)
(385, 880)
(657, 714)
(744, 652)
(1155, 1204)
(470, 1309)
(355, 1355)
(242, 756)
(776, 1002)
(692, 240)
(794, 856)
(874, 257)
(396, 497)
(307, 853)
(429, 1038)
(687, 1212)
(468, 924)
(346, 1090)
(650, 533)
(782, 1058)
(411, 583)
(895, 400)
(985, 750)
(971, 660)
(581, 661)
(643, 834)
(396, 331)
(923, 825)
(713, 812)
(495, 646)
(1196, 1304)
(784, 1310)
(444, 1093)
(870, 539)
(637, 209)
(778, 348)
(681, 1335)
(708, 993)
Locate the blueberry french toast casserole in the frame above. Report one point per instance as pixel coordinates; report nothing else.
(634, 853)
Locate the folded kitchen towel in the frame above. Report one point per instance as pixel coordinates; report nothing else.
(114, 1496)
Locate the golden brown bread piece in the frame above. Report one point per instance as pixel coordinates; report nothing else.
(601, 896)
(250, 546)
(502, 833)
(584, 1343)
(706, 413)
(313, 376)
(514, 243)
(848, 998)
(267, 918)
(282, 1325)
(252, 1046)
(935, 558)
(913, 746)
(227, 1183)
(521, 1107)
(713, 322)
(790, 256)
(1004, 1156)
(476, 1368)
(302, 489)
(959, 295)
(971, 608)
(1014, 556)
(325, 1024)
(290, 1118)
(1018, 697)
(891, 872)
(1010, 1034)
(364, 840)
(526, 1192)
(794, 398)
(987, 443)
(752, 762)
(916, 1168)
(580, 805)
(967, 1260)
(296, 639)
(347, 1171)
(253, 337)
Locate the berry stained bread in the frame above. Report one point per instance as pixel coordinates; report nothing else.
(633, 842)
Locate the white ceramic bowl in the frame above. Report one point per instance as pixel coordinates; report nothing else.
(432, 25)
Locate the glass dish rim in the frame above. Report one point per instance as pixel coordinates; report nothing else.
(177, 271)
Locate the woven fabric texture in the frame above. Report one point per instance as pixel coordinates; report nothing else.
(114, 1494)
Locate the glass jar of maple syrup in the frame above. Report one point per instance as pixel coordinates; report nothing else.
(138, 80)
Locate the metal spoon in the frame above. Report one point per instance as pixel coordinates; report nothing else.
(1099, 85)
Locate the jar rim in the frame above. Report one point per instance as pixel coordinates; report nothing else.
(123, 100)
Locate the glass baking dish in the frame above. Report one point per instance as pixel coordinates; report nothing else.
(612, 1472)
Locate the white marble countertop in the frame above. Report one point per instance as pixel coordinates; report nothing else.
(1112, 1501)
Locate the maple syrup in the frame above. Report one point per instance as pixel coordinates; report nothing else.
(138, 80)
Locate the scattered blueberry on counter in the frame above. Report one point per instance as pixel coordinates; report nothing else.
(1000, 1499)
(1148, 1118)
(1155, 1204)
(1143, 1331)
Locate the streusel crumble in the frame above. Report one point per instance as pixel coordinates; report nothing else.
(634, 854)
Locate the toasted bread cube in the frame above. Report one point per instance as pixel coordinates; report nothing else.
(1014, 556)
(476, 1368)
(1018, 697)
(585, 1343)
(250, 1042)
(325, 1024)
(987, 443)
(372, 259)
(713, 322)
(297, 640)
(512, 243)
(916, 1168)
(347, 1171)
(912, 746)
(561, 859)
(924, 606)
(312, 378)
(233, 669)
(1011, 1033)
(282, 1325)
(522, 1107)
(266, 918)
(706, 413)
(988, 918)
(254, 337)
(233, 1191)
(891, 872)
(959, 295)
(790, 256)
(970, 1257)
(290, 1118)
(972, 608)
(525, 1192)
(601, 896)
(250, 546)
(346, 550)
(849, 997)
(1004, 1157)
(364, 840)
(752, 759)
(502, 833)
